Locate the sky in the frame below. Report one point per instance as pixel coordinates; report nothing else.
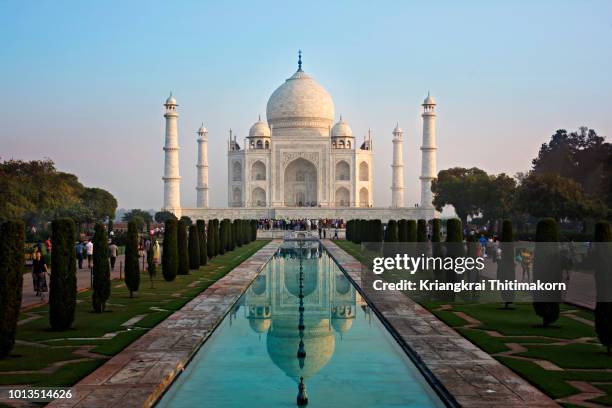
(83, 83)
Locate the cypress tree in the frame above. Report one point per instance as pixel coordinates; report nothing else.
(183, 248)
(435, 230)
(101, 269)
(12, 259)
(202, 241)
(253, 230)
(411, 231)
(402, 230)
(546, 267)
(391, 234)
(222, 237)
(505, 266)
(603, 284)
(132, 269)
(421, 235)
(232, 235)
(63, 287)
(210, 239)
(194, 247)
(151, 267)
(170, 250)
(218, 242)
(347, 234)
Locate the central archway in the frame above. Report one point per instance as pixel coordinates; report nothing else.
(300, 184)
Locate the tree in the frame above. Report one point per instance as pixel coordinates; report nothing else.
(12, 236)
(170, 250)
(100, 203)
(402, 230)
(454, 249)
(194, 247)
(603, 284)
(151, 267)
(253, 230)
(183, 249)
(421, 231)
(465, 189)
(132, 269)
(547, 268)
(499, 198)
(139, 216)
(223, 235)
(186, 220)
(162, 216)
(505, 266)
(101, 269)
(210, 243)
(411, 231)
(551, 195)
(391, 234)
(63, 282)
(201, 225)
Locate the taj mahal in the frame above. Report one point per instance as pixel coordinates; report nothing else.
(299, 164)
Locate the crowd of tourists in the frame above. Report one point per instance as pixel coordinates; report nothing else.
(304, 224)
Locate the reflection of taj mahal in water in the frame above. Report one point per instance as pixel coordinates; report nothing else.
(300, 163)
(301, 343)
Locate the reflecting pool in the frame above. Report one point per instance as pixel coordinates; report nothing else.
(301, 333)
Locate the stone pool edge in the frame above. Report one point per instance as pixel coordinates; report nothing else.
(140, 374)
(463, 374)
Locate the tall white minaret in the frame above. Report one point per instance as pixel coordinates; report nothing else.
(172, 179)
(397, 185)
(428, 151)
(202, 166)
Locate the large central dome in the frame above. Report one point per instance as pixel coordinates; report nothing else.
(300, 103)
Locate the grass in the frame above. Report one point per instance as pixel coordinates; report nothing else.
(586, 362)
(46, 347)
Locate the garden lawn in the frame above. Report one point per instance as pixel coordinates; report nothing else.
(569, 344)
(48, 358)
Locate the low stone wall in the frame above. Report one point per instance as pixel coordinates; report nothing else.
(345, 213)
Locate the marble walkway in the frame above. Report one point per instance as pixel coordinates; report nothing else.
(137, 376)
(471, 376)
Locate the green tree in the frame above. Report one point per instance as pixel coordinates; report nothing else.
(465, 189)
(411, 231)
(186, 220)
(454, 249)
(603, 284)
(151, 267)
(12, 235)
(546, 268)
(499, 198)
(162, 216)
(101, 269)
(140, 217)
(201, 225)
(421, 235)
(63, 285)
(402, 230)
(132, 269)
(194, 247)
(101, 204)
(183, 249)
(223, 235)
(391, 234)
(210, 236)
(170, 250)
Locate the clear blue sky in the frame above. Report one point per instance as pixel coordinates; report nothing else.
(83, 82)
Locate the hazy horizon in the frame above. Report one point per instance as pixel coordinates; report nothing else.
(84, 83)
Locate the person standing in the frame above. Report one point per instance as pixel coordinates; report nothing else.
(79, 254)
(156, 252)
(113, 250)
(89, 251)
(39, 270)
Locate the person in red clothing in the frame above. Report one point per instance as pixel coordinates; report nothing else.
(48, 245)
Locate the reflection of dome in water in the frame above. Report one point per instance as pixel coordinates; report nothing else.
(283, 340)
(342, 284)
(342, 325)
(260, 325)
(259, 286)
(292, 281)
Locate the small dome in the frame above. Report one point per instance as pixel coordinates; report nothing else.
(342, 325)
(259, 129)
(171, 100)
(202, 129)
(429, 100)
(398, 129)
(341, 129)
(260, 325)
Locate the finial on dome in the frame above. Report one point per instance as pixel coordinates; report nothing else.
(299, 60)
(259, 117)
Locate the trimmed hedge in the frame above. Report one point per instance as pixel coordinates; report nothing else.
(151, 267)
(12, 259)
(505, 266)
(183, 249)
(210, 242)
(63, 282)
(132, 269)
(546, 267)
(194, 247)
(170, 250)
(101, 269)
(201, 225)
(421, 234)
(391, 234)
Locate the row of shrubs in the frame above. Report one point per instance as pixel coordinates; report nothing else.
(182, 251)
(359, 231)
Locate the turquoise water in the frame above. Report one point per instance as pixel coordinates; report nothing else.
(251, 360)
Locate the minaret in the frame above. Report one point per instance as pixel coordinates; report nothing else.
(428, 151)
(172, 179)
(397, 185)
(202, 166)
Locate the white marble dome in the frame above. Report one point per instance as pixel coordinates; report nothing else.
(300, 102)
(341, 129)
(259, 129)
(429, 100)
(171, 100)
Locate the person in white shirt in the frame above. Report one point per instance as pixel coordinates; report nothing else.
(89, 252)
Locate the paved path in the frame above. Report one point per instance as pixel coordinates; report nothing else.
(137, 376)
(29, 298)
(471, 376)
